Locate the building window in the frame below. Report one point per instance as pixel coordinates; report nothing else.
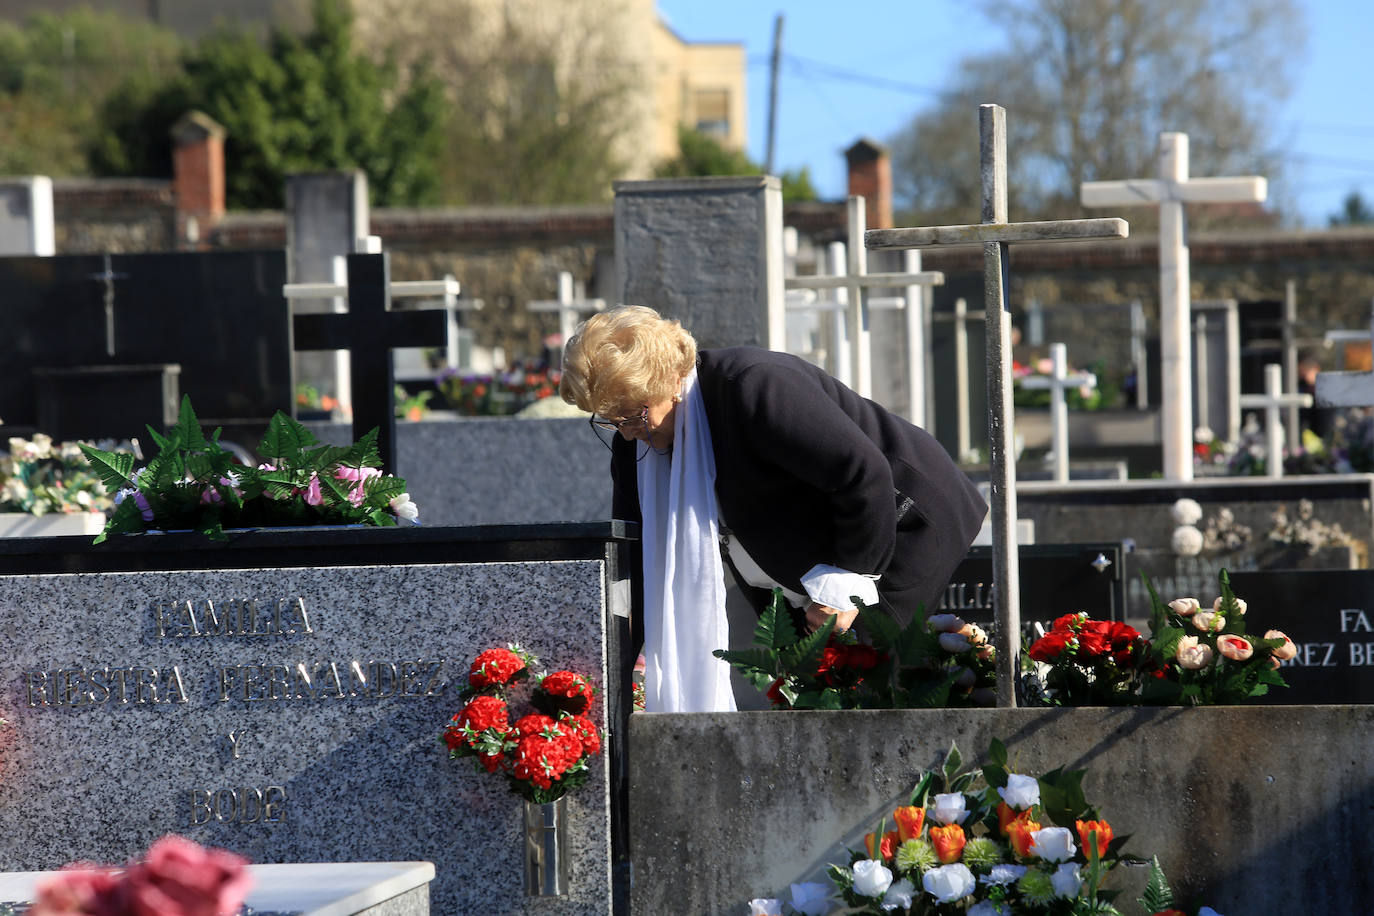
(712, 108)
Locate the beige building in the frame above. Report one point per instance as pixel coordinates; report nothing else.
(620, 47)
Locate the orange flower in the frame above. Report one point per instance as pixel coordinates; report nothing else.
(1104, 835)
(948, 842)
(886, 849)
(909, 820)
(1019, 835)
(1007, 815)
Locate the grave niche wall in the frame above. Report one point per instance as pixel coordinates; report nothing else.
(304, 727)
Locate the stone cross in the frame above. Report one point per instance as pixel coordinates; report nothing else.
(803, 298)
(995, 233)
(1057, 382)
(962, 438)
(854, 281)
(1170, 192)
(369, 331)
(568, 307)
(1272, 401)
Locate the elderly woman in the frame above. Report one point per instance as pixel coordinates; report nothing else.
(760, 461)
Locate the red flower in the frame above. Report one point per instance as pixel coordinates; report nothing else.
(586, 733)
(1052, 645)
(775, 696)
(887, 848)
(484, 713)
(570, 692)
(494, 667)
(534, 724)
(863, 658)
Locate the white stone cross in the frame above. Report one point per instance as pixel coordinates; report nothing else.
(1272, 401)
(1347, 389)
(994, 233)
(804, 298)
(851, 282)
(569, 308)
(1058, 382)
(962, 438)
(1170, 192)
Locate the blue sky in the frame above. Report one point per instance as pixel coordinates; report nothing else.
(865, 67)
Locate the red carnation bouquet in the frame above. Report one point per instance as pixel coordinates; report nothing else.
(542, 754)
(1086, 662)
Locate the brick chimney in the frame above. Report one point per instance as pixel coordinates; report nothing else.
(198, 176)
(870, 175)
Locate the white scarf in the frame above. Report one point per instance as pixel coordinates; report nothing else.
(684, 578)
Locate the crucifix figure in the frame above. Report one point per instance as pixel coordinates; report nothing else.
(994, 233)
(1058, 382)
(1170, 192)
(852, 282)
(107, 277)
(369, 331)
(1272, 401)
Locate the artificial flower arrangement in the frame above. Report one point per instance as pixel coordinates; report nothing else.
(930, 663)
(39, 476)
(1019, 844)
(1195, 656)
(177, 877)
(194, 483)
(501, 394)
(1085, 397)
(544, 753)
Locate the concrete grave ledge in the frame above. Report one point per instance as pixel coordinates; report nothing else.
(1250, 809)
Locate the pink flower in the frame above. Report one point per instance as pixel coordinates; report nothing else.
(1236, 648)
(77, 890)
(1286, 651)
(313, 496)
(1193, 655)
(182, 878)
(361, 475)
(1209, 621)
(1240, 606)
(1184, 607)
(210, 495)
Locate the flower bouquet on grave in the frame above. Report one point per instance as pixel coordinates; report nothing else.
(1017, 844)
(929, 663)
(194, 483)
(1086, 662)
(543, 754)
(1204, 657)
(39, 477)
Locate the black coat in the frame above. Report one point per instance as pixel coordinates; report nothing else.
(808, 472)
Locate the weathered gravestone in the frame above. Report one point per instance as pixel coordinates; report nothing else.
(1056, 579)
(1329, 615)
(282, 696)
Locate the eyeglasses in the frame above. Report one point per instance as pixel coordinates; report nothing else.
(629, 424)
(616, 426)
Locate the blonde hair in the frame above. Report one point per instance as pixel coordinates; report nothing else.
(625, 356)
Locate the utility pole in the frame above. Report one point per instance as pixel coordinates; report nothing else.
(773, 94)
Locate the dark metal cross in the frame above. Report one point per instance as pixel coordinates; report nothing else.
(369, 331)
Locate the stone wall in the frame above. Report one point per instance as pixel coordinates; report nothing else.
(1250, 810)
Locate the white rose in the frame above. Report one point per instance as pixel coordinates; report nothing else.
(1003, 874)
(1209, 621)
(871, 878)
(811, 899)
(948, 883)
(1021, 792)
(899, 895)
(1053, 844)
(949, 808)
(1193, 655)
(1185, 607)
(955, 642)
(764, 906)
(1187, 511)
(1240, 606)
(945, 623)
(1065, 880)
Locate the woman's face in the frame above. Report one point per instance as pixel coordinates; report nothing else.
(657, 425)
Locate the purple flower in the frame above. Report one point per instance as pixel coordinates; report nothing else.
(142, 502)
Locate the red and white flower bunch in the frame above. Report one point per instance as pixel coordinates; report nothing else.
(1086, 662)
(1018, 844)
(543, 753)
(178, 877)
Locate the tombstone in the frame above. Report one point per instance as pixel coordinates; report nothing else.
(1056, 579)
(706, 251)
(995, 232)
(327, 216)
(1057, 382)
(963, 393)
(218, 315)
(26, 217)
(300, 722)
(1170, 191)
(1272, 402)
(1217, 368)
(1329, 615)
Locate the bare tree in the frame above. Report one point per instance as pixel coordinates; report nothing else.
(1090, 84)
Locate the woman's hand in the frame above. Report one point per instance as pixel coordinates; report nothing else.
(818, 614)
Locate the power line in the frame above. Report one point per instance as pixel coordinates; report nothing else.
(821, 69)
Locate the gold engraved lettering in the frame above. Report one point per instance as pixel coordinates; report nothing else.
(330, 683)
(299, 619)
(357, 679)
(36, 686)
(304, 689)
(252, 682)
(279, 676)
